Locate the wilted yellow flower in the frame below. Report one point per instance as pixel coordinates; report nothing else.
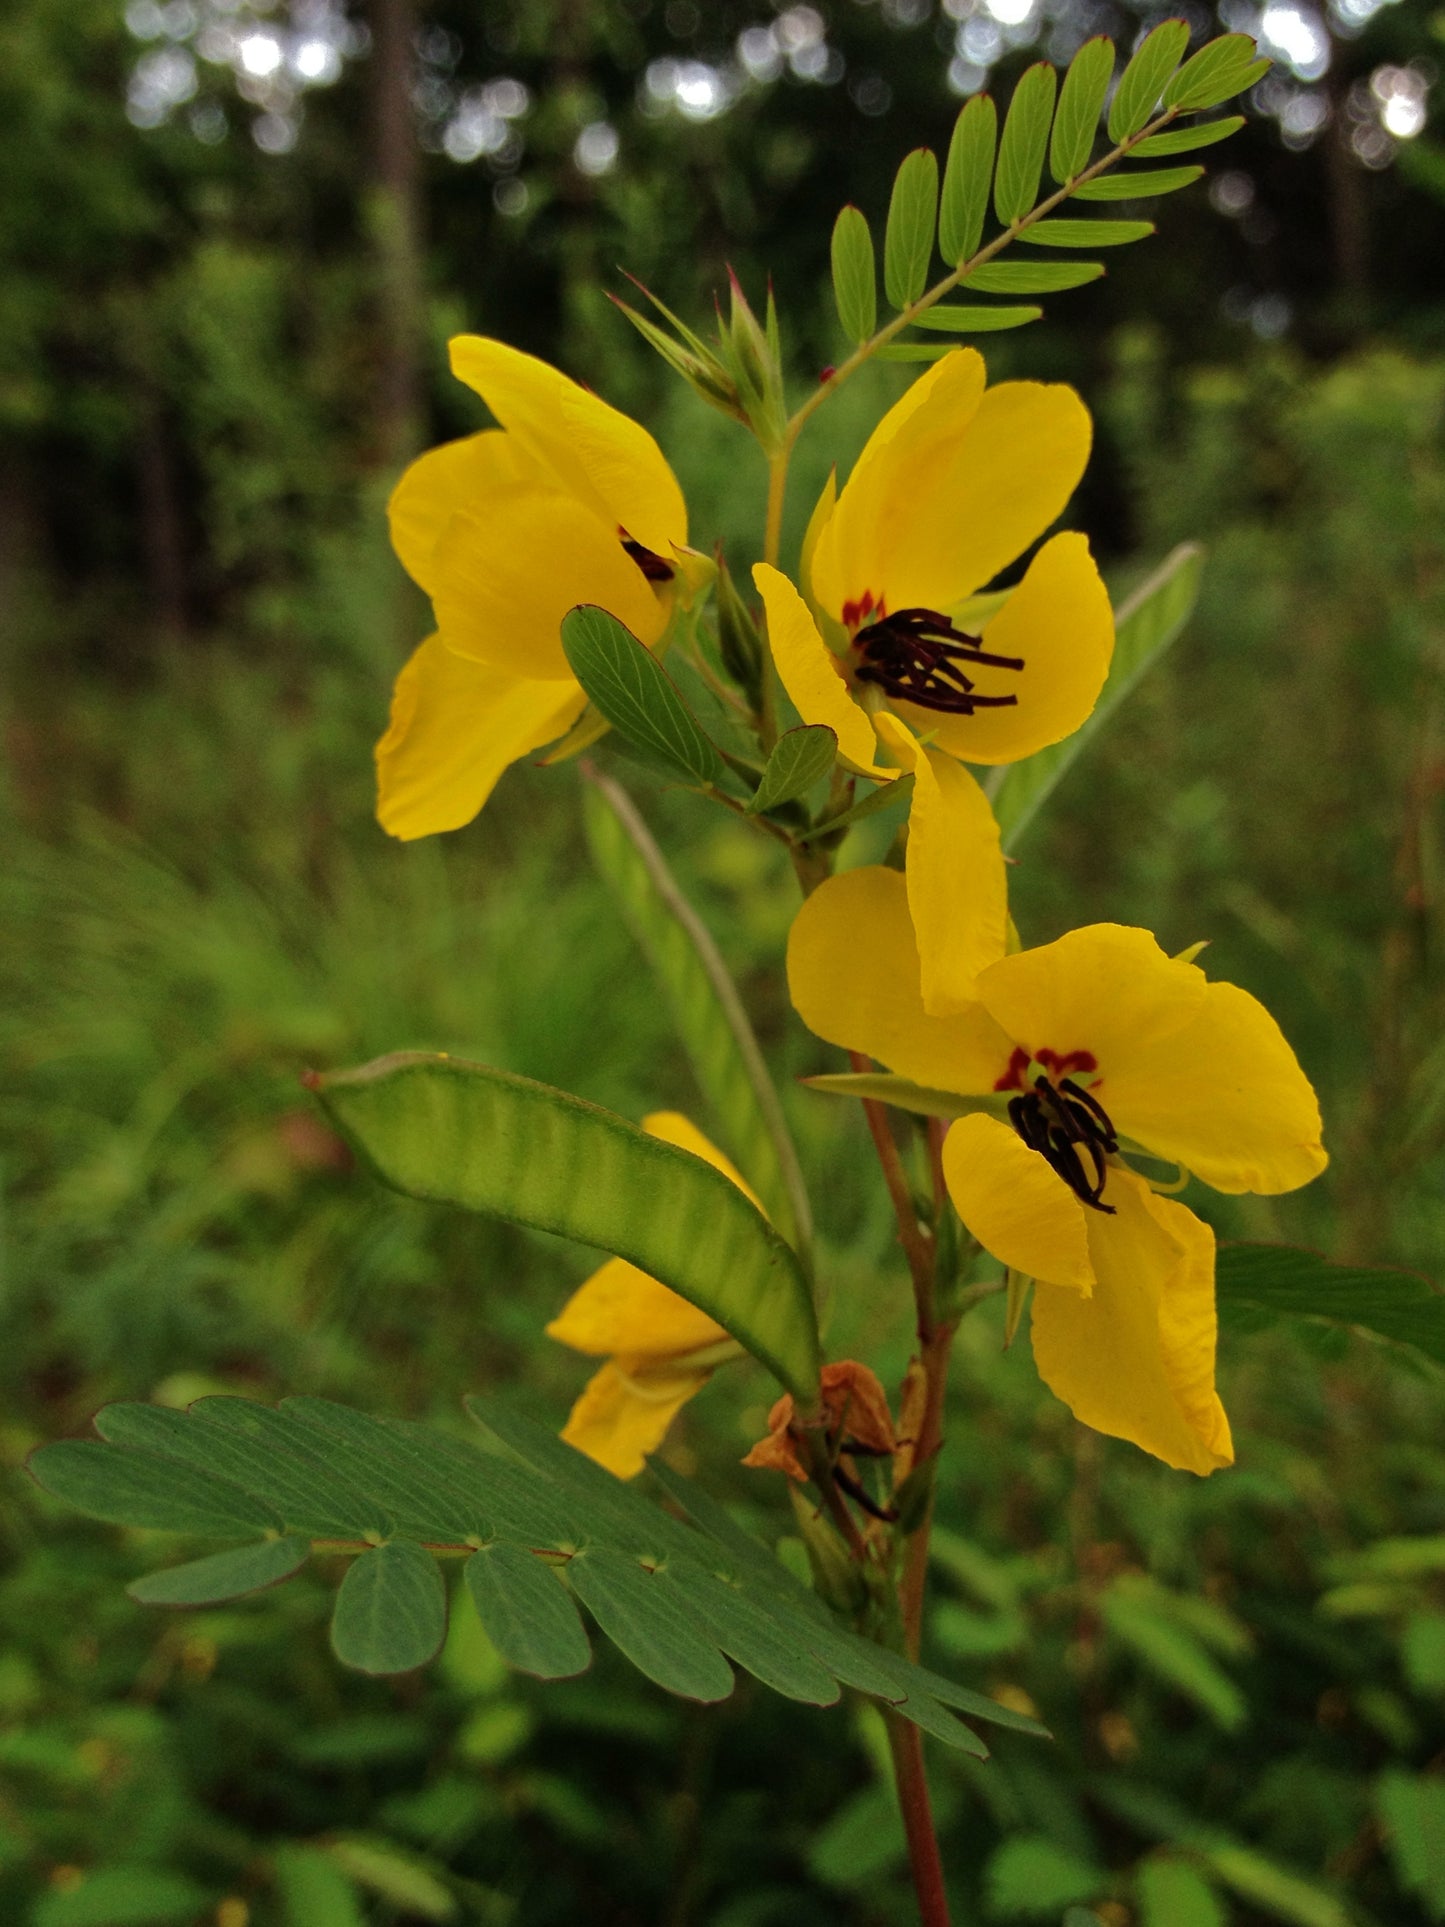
(1088, 1051)
(569, 501)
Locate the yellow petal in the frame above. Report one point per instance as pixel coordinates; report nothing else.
(506, 575)
(1136, 1358)
(622, 1309)
(1223, 1096)
(1059, 621)
(908, 463)
(853, 976)
(957, 890)
(454, 728)
(810, 672)
(439, 485)
(621, 1417)
(591, 448)
(1106, 988)
(1018, 1208)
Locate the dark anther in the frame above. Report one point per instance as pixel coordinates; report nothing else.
(652, 566)
(1072, 1130)
(919, 657)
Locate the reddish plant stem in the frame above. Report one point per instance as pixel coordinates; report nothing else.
(917, 1244)
(906, 1745)
(930, 1442)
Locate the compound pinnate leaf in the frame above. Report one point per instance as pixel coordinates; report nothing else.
(1145, 78)
(1081, 101)
(633, 691)
(391, 1610)
(526, 1612)
(1138, 184)
(1031, 277)
(1258, 1283)
(747, 1634)
(1022, 144)
(644, 1614)
(959, 320)
(143, 1489)
(1216, 73)
(1085, 234)
(855, 275)
(224, 1575)
(801, 757)
(966, 179)
(463, 1134)
(1183, 140)
(908, 237)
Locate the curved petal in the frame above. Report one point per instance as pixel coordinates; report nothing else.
(810, 672)
(1224, 1096)
(957, 889)
(454, 728)
(909, 459)
(441, 483)
(622, 1309)
(994, 491)
(506, 575)
(1136, 1358)
(593, 450)
(620, 1418)
(1059, 621)
(1107, 988)
(853, 976)
(1018, 1208)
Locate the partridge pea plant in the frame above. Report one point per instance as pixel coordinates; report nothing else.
(1034, 1108)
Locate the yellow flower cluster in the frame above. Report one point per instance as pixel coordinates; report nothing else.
(1074, 1069)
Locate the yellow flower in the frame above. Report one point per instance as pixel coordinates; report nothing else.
(567, 502)
(1094, 1048)
(956, 481)
(660, 1350)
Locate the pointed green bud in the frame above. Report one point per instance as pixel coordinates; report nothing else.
(699, 367)
(752, 353)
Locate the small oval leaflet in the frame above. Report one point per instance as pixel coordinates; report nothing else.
(391, 1610)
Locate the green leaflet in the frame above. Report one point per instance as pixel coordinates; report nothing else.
(1182, 140)
(801, 757)
(966, 180)
(142, 1489)
(463, 1134)
(1031, 277)
(1172, 1893)
(1257, 1284)
(1412, 1808)
(1081, 101)
(882, 1087)
(1144, 627)
(1085, 234)
(855, 275)
(913, 351)
(873, 800)
(1144, 78)
(908, 237)
(1139, 184)
(705, 1005)
(391, 1611)
(1216, 73)
(225, 1575)
(314, 1891)
(976, 321)
(1022, 144)
(637, 696)
(544, 1520)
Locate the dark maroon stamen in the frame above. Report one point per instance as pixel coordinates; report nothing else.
(1067, 1126)
(652, 566)
(917, 656)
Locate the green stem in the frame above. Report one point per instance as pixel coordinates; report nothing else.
(905, 1743)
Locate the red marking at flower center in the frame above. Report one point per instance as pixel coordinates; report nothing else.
(865, 609)
(1057, 1065)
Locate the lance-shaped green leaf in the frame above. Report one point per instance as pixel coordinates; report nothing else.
(882, 1087)
(1022, 144)
(855, 275)
(966, 179)
(634, 692)
(908, 237)
(959, 320)
(1145, 78)
(391, 1611)
(1216, 73)
(463, 1134)
(1085, 234)
(869, 804)
(1081, 101)
(224, 1575)
(1031, 277)
(1183, 140)
(1138, 184)
(706, 1008)
(1257, 1284)
(1144, 627)
(801, 757)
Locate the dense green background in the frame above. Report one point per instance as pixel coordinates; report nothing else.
(204, 391)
